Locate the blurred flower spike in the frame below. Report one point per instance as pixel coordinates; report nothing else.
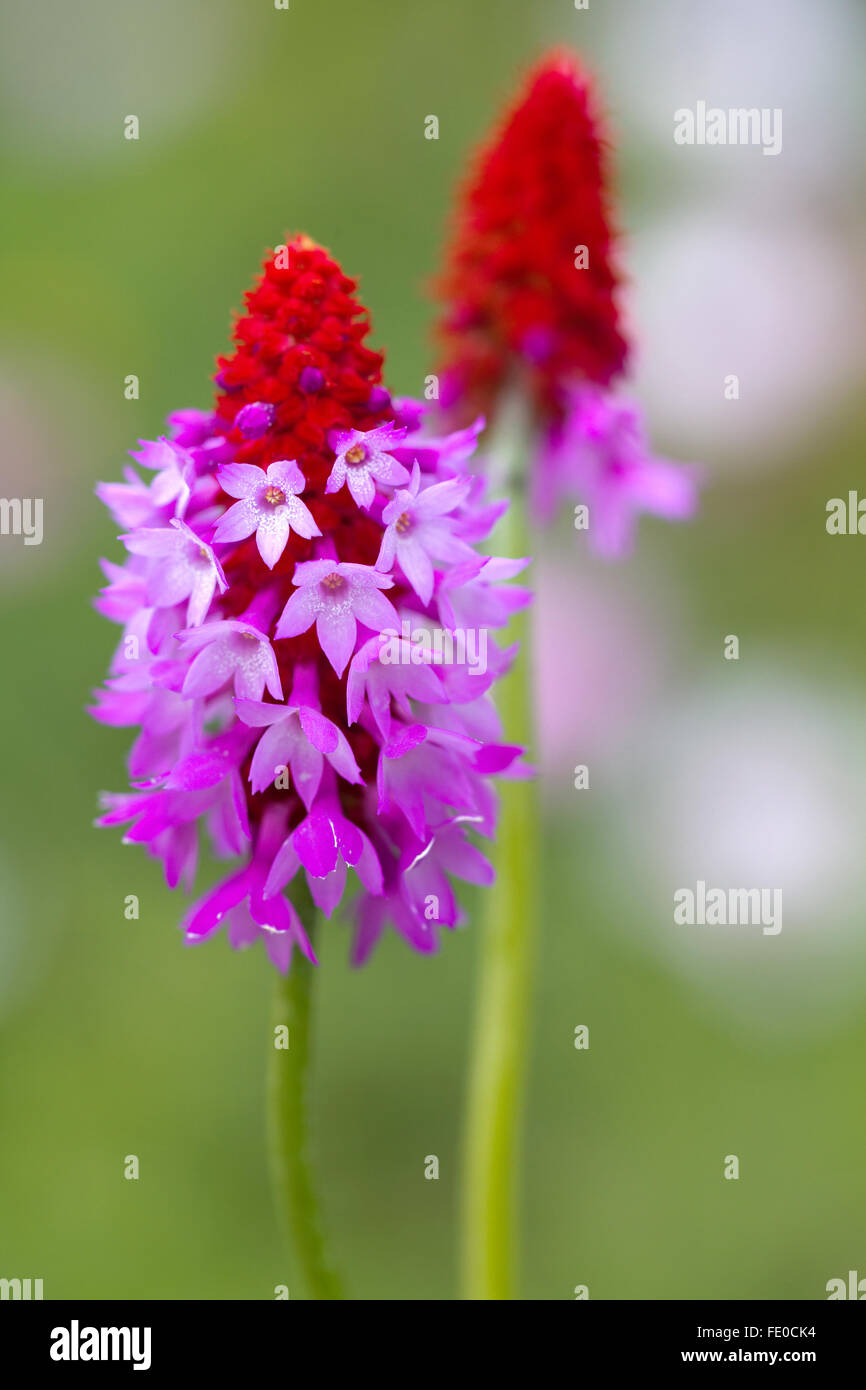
(271, 544)
(530, 293)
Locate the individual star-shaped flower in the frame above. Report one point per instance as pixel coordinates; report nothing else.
(336, 597)
(174, 471)
(389, 684)
(268, 505)
(363, 460)
(416, 533)
(298, 738)
(230, 650)
(184, 567)
(130, 503)
(326, 843)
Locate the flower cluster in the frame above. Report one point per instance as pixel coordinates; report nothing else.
(530, 288)
(279, 541)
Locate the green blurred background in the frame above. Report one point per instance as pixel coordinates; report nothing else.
(123, 257)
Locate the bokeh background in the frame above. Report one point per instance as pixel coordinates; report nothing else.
(128, 257)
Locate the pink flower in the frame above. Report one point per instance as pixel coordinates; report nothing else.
(416, 532)
(269, 505)
(422, 768)
(392, 684)
(336, 598)
(363, 460)
(325, 843)
(174, 471)
(234, 651)
(600, 453)
(299, 738)
(474, 596)
(183, 567)
(240, 901)
(130, 503)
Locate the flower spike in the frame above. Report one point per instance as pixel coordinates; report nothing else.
(287, 548)
(530, 294)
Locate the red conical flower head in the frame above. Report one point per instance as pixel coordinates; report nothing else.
(530, 280)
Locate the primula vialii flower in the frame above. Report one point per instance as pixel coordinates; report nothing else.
(530, 286)
(283, 544)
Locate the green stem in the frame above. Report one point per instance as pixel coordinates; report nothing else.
(501, 1029)
(288, 1123)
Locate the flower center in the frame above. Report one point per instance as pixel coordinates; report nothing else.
(403, 523)
(333, 583)
(275, 496)
(356, 454)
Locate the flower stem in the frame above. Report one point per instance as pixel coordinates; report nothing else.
(501, 1028)
(288, 1123)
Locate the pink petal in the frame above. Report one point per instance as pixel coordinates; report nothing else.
(237, 523)
(336, 629)
(321, 732)
(271, 753)
(665, 489)
(315, 844)
(210, 670)
(373, 609)
(313, 571)
(206, 915)
(168, 583)
(442, 497)
(258, 715)
(415, 564)
(300, 612)
(388, 470)
(327, 892)
(278, 945)
(328, 739)
(336, 477)
(200, 598)
(365, 575)
(387, 550)
(368, 868)
(272, 534)
(151, 540)
(306, 764)
(301, 518)
(286, 475)
(241, 479)
(361, 486)
(283, 868)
